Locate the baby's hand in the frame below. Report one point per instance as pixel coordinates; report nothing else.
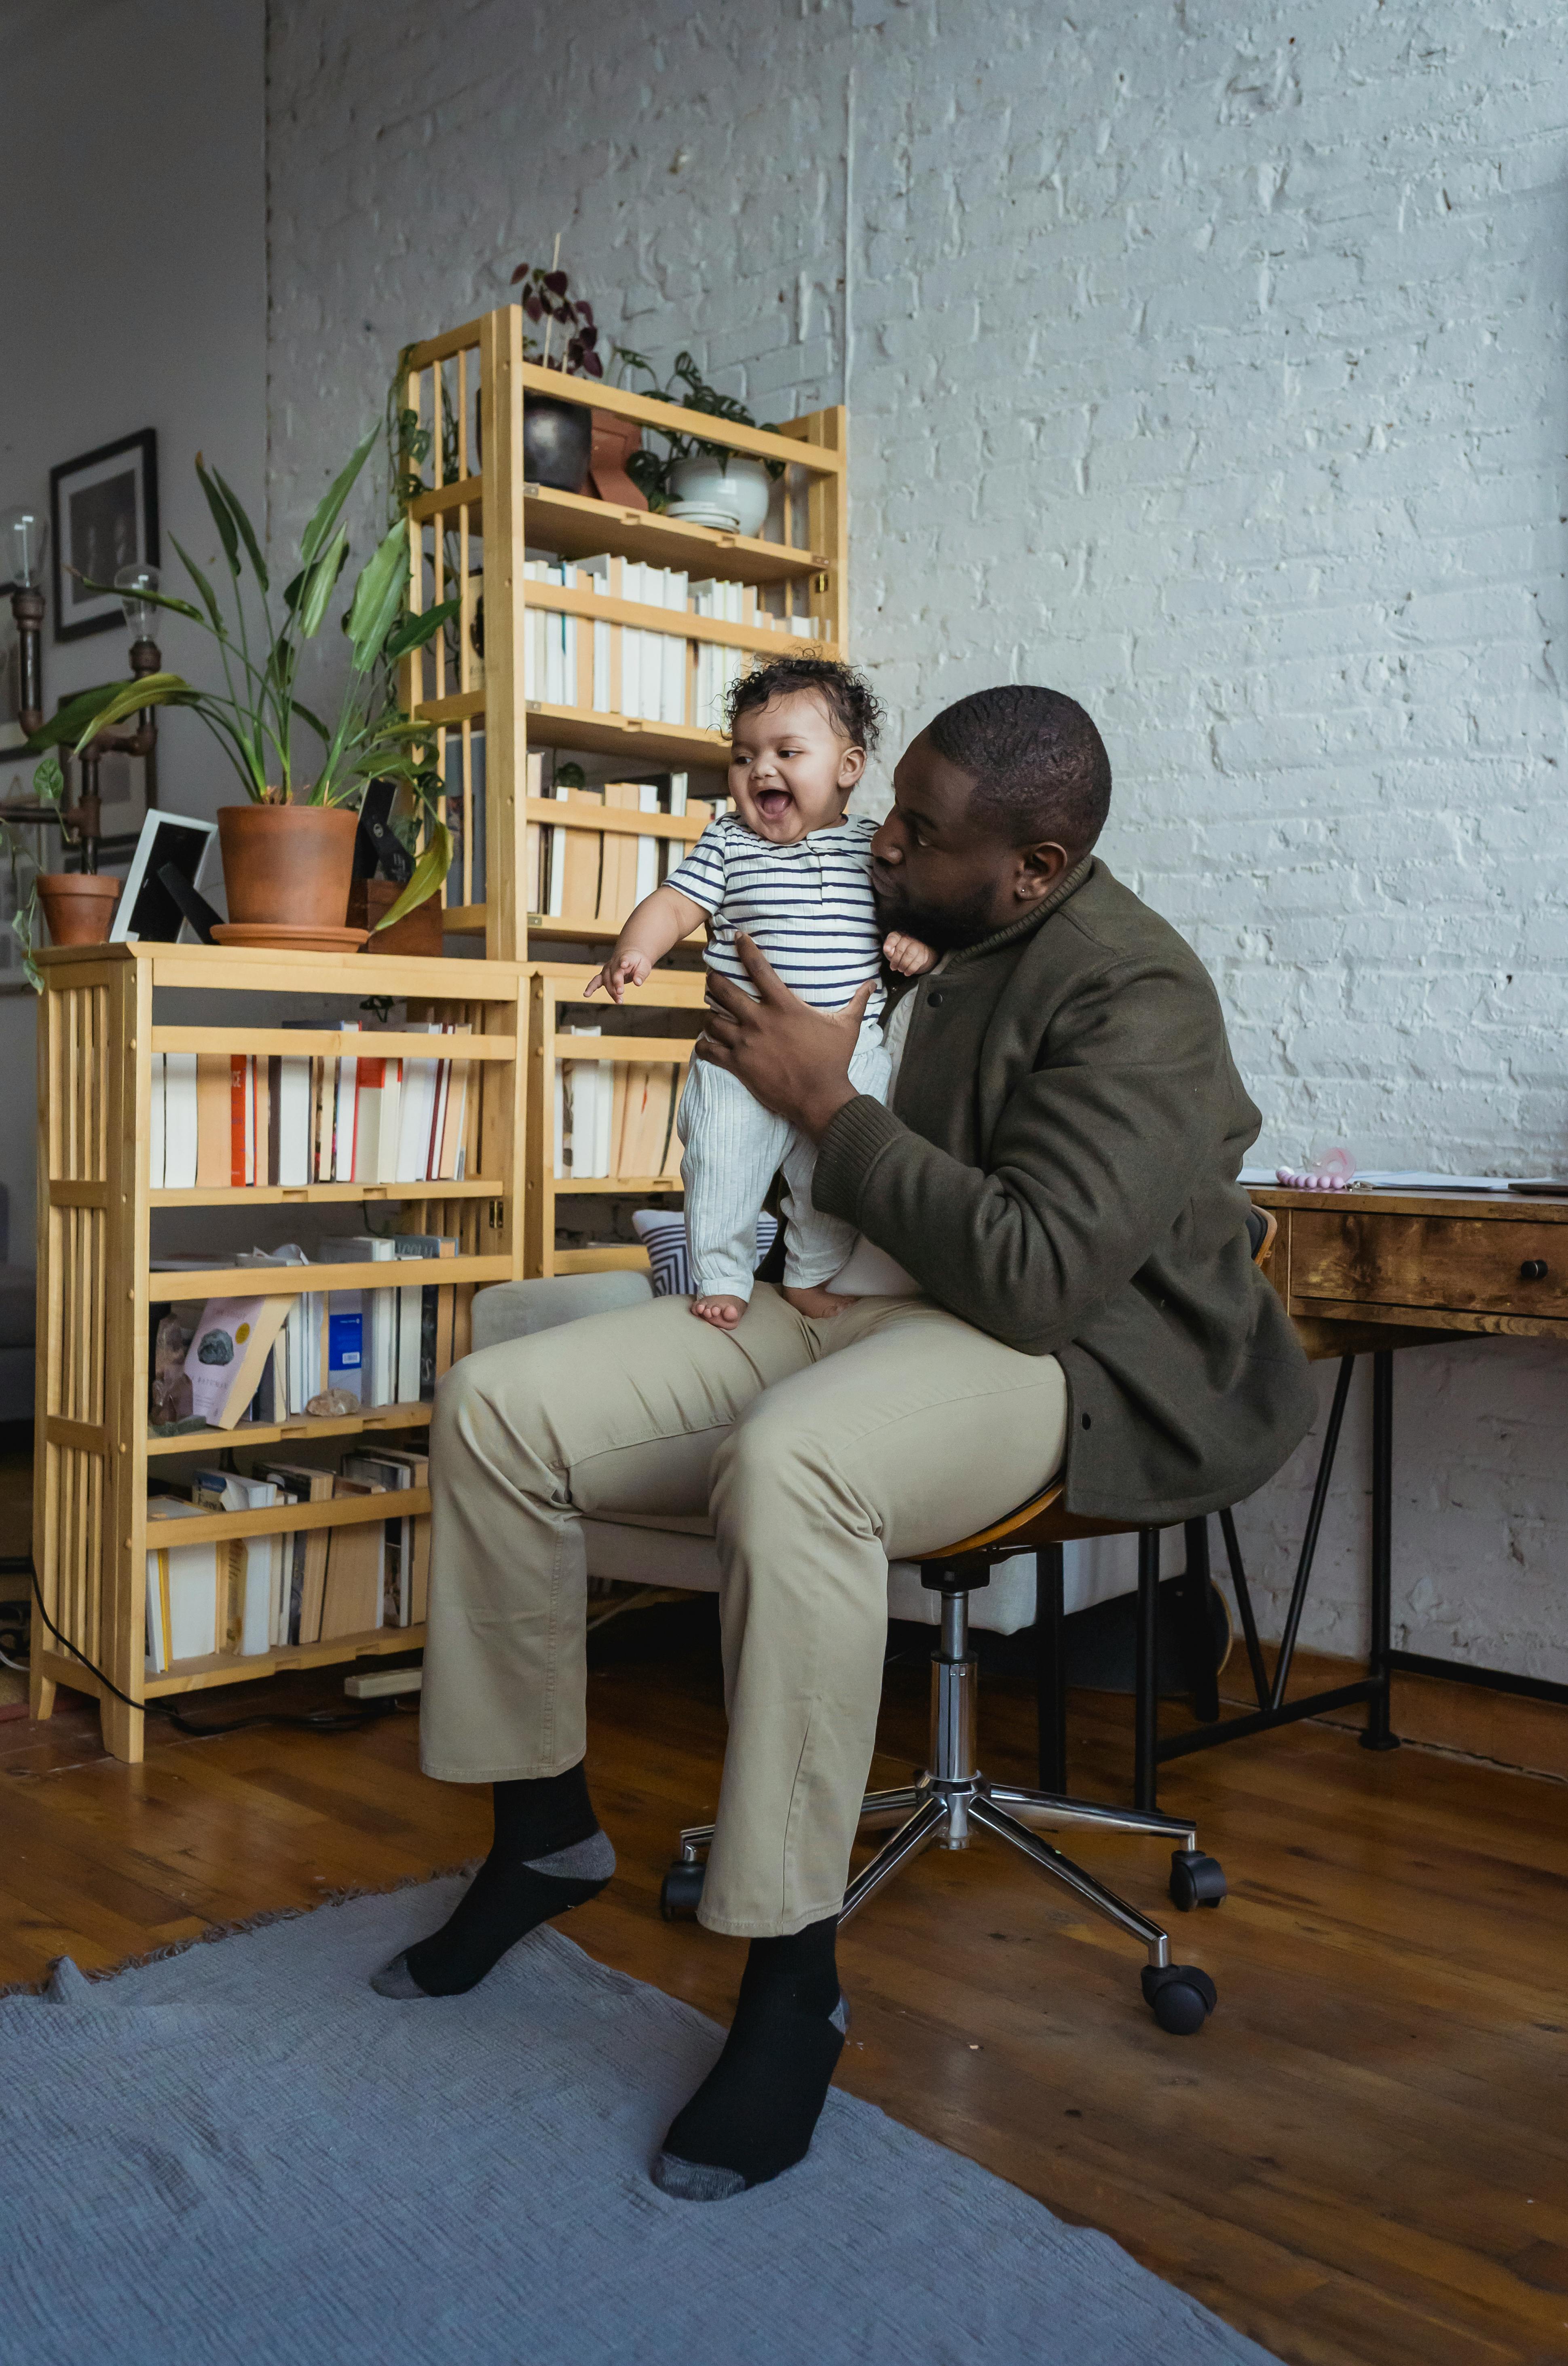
(908, 955)
(622, 970)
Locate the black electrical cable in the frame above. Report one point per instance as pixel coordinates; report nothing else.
(319, 1720)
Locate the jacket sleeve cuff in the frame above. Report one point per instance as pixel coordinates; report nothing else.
(855, 1139)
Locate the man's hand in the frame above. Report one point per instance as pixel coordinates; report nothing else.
(793, 1059)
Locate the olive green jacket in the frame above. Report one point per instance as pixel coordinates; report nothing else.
(1059, 1167)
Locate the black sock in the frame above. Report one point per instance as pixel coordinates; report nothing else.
(752, 2117)
(548, 1855)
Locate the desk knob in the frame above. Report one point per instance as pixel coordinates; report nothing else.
(1533, 1270)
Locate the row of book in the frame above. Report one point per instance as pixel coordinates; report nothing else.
(221, 1119)
(243, 1596)
(654, 677)
(578, 873)
(263, 1359)
(616, 1118)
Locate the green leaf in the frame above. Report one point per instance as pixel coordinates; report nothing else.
(149, 690)
(415, 631)
(64, 728)
(208, 597)
(227, 534)
(330, 507)
(159, 598)
(49, 782)
(247, 532)
(323, 573)
(377, 597)
(428, 873)
(314, 721)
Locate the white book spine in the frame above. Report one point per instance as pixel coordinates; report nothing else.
(560, 1117)
(155, 1131)
(648, 848)
(293, 1122)
(180, 1120)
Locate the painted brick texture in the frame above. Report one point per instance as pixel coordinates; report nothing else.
(1205, 362)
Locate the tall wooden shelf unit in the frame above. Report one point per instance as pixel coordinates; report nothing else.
(99, 1028)
(477, 518)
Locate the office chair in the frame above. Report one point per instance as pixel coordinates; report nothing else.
(950, 1795)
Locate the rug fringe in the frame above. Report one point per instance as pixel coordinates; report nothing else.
(262, 1922)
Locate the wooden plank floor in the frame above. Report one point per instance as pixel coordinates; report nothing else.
(1364, 2156)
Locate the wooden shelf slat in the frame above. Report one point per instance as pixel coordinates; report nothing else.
(285, 1519)
(269, 1195)
(289, 1280)
(226, 1668)
(766, 638)
(309, 1042)
(565, 1187)
(290, 1433)
(676, 1049)
(678, 747)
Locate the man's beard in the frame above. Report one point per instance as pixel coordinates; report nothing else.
(945, 932)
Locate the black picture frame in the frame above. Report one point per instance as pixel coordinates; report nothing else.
(101, 518)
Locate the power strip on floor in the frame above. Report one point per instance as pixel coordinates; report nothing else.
(379, 1682)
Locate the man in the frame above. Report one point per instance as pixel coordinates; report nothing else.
(1064, 1281)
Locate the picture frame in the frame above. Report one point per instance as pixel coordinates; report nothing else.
(146, 909)
(103, 511)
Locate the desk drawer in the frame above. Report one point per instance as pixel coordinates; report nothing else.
(1474, 1265)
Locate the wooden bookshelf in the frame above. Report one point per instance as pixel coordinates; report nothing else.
(99, 1027)
(477, 518)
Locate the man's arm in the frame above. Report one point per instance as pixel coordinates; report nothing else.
(1096, 1152)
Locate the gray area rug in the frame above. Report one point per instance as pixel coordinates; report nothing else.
(243, 2153)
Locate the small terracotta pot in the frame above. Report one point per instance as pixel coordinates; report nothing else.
(287, 864)
(79, 910)
(418, 931)
(614, 441)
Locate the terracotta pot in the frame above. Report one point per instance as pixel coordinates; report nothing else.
(78, 908)
(614, 441)
(288, 863)
(418, 932)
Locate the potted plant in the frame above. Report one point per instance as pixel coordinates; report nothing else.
(79, 905)
(288, 849)
(706, 483)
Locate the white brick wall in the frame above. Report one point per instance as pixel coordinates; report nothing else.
(1206, 362)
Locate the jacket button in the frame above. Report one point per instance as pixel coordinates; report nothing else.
(935, 998)
(1086, 1421)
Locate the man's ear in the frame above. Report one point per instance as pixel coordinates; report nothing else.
(1039, 868)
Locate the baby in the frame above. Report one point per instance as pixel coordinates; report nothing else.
(789, 871)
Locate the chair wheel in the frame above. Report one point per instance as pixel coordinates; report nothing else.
(680, 1893)
(1181, 1998)
(1195, 1879)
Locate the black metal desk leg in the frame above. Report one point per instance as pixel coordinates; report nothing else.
(1146, 1704)
(1051, 1669)
(1197, 1618)
(1377, 1735)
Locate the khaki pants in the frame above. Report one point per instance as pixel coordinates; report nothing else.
(823, 1450)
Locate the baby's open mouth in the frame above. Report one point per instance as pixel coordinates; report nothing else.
(774, 805)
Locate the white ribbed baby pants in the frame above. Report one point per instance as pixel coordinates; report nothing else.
(734, 1148)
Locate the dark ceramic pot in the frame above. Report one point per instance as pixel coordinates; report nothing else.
(557, 443)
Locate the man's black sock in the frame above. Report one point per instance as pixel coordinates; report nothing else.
(752, 2117)
(548, 1855)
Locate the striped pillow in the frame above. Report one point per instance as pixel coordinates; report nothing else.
(663, 1234)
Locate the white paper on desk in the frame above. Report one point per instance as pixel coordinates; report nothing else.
(1392, 1178)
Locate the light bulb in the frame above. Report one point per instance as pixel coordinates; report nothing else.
(24, 543)
(140, 615)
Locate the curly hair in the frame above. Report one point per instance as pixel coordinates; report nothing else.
(1038, 764)
(852, 704)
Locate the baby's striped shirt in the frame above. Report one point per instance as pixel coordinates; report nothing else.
(807, 906)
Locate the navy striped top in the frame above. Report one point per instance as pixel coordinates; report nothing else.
(807, 906)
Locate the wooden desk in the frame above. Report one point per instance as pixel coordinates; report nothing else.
(1368, 1273)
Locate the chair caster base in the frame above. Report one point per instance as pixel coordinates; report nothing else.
(680, 1892)
(1195, 1879)
(1181, 1998)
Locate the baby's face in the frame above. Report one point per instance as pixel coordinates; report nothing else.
(789, 770)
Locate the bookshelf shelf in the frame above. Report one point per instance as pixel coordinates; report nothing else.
(293, 1433)
(273, 1195)
(577, 526)
(100, 1029)
(233, 1667)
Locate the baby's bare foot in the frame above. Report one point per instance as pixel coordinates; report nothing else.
(723, 1314)
(816, 1302)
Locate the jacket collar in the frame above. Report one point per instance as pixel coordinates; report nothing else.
(1015, 931)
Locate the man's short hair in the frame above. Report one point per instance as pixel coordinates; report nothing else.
(1039, 766)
